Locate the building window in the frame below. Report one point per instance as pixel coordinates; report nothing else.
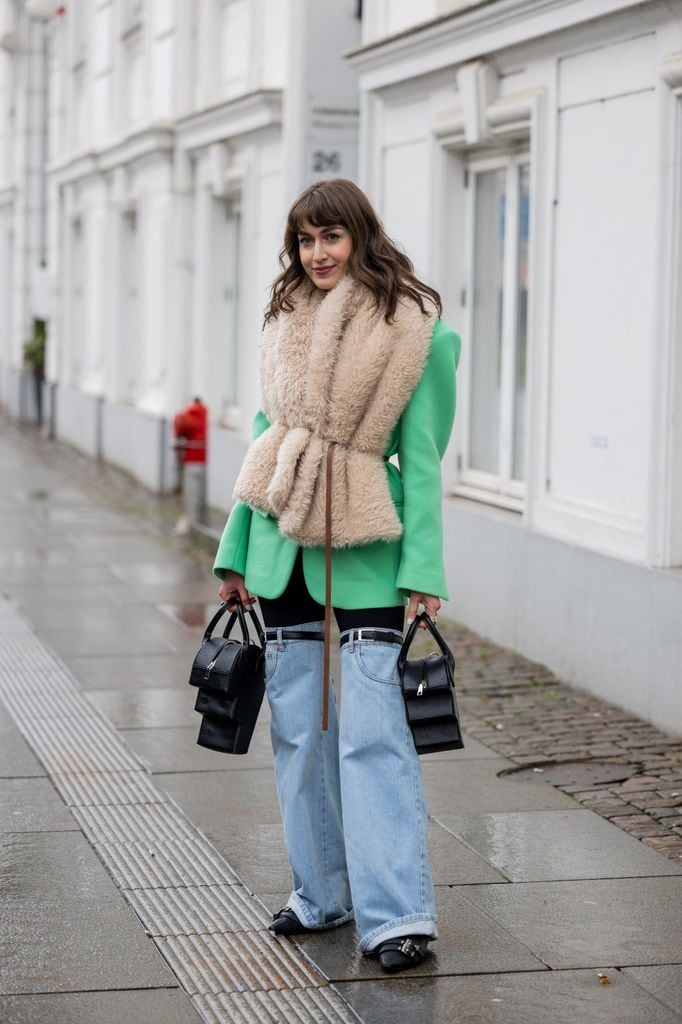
(494, 446)
(223, 387)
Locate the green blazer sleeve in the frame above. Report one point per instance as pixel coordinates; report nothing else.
(425, 428)
(234, 542)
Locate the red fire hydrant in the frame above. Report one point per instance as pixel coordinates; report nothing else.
(190, 427)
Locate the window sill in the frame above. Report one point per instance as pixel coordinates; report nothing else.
(492, 499)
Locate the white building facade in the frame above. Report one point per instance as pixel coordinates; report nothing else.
(526, 154)
(170, 137)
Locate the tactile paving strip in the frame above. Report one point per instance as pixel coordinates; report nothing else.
(132, 822)
(206, 924)
(107, 789)
(153, 865)
(318, 1006)
(191, 910)
(243, 962)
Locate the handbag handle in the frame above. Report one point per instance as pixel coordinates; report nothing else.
(409, 637)
(239, 614)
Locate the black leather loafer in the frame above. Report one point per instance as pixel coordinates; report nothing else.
(285, 922)
(402, 953)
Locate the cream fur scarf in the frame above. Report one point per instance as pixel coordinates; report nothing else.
(333, 370)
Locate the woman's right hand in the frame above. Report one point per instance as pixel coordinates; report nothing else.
(233, 583)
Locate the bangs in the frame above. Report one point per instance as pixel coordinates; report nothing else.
(318, 209)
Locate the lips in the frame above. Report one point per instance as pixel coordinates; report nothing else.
(322, 271)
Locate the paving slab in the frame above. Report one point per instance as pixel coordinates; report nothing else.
(665, 983)
(175, 749)
(543, 997)
(153, 1006)
(70, 944)
(233, 799)
(164, 572)
(99, 618)
(111, 630)
(468, 943)
(618, 922)
(16, 757)
(33, 602)
(150, 707)
(474, 786)
(203, 590)
(56, 865)
(52, 575)
(257, 854)
(531, 846)
(129, 671)
(122, 547)
(32, 805)
(455, 863)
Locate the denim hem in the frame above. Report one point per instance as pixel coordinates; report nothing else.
(304, 917)
(425, 925)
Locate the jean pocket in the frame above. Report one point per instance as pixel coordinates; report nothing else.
(271, 660)
(378, 661)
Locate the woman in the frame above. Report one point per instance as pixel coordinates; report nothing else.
(355, 367)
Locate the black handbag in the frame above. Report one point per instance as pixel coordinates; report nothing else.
(230, 677)
(428, 686)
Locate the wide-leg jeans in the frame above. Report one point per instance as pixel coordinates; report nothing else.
(351, 798)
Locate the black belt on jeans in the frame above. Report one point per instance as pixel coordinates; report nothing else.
(387, 636)
(292, 634)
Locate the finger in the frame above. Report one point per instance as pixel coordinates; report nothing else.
(412, 608)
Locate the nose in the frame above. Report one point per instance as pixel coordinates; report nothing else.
(318, 250)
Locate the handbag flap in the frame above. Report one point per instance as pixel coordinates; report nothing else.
(216, 664)
(426, 675)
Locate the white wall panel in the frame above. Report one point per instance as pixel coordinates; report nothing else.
(274, 35)
(161, 77)
(624, 66)
(161, 15)
(603, 304)
(103, 39)
(405, 205)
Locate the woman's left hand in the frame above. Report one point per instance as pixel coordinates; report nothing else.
(431, 606)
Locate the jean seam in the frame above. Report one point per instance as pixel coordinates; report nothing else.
(363, 669)
(415, 787)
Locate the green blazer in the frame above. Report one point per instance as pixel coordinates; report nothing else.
(383, 573)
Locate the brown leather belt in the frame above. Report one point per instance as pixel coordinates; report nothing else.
(327, 587)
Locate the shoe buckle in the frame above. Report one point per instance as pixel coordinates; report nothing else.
(408, 947)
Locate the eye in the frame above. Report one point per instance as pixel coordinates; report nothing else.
(333, 236)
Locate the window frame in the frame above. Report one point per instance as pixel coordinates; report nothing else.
(500, 489)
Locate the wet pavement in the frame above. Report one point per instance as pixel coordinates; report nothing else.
(138, 870)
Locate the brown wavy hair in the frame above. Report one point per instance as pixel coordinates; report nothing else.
(375, 260)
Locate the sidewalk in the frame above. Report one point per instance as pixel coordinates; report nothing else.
(138, 871)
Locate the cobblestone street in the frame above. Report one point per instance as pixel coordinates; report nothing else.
(556, 834)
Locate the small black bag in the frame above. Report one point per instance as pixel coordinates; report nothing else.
(428, 686)
(230, 676)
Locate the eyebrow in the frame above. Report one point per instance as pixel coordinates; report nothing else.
(324, 227)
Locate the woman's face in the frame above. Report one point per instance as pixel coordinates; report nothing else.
(324, 253)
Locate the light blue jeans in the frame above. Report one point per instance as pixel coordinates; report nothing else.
(351, 798)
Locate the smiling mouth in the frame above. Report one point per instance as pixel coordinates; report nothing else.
(322, 270)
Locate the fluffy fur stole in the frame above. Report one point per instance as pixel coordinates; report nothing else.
(333, 370)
